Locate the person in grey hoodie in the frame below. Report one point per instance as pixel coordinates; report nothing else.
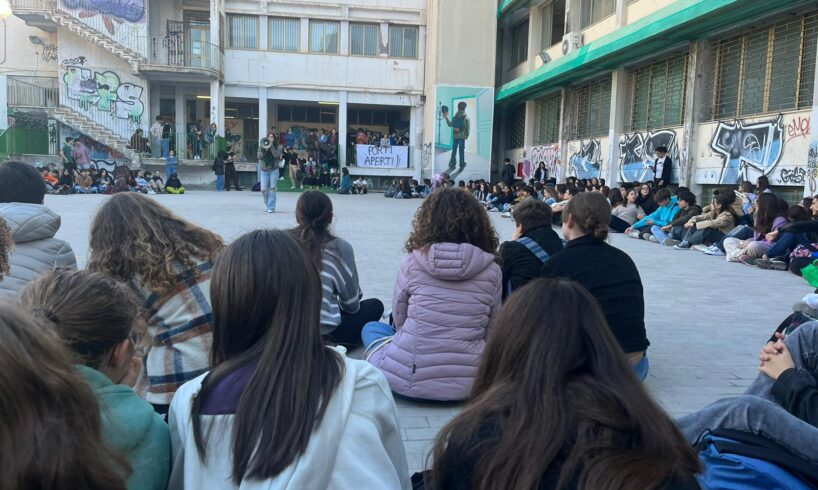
(32, 227)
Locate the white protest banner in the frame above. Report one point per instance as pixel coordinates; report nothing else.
(382, 156)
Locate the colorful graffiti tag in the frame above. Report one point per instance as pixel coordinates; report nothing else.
(636, 153)
(112, 11)
(550, 154)
(586, 162)
(105, 93)
(748, 150)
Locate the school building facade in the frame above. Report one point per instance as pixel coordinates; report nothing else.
(592, 87)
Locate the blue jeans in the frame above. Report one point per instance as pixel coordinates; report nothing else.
(455, 145)
(219, 183)
(641, 368)
(169, 170)
(374, 334)
(165, 147)
(675, 233)
(268, 180)
(786, 243)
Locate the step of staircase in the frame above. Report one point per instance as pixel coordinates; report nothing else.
(96, 131)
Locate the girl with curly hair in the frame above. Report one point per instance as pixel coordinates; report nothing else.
(167, 262)
(447, 294)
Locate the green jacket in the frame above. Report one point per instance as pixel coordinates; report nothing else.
(460, 121)
(130, 424)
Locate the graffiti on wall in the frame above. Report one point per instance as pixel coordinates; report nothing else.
(550, 154)
(799, 127)
(112, 11)
(748, 150)
(586, 162)
(636, 153)
(792, 176)
(104, 92)
(49, 52)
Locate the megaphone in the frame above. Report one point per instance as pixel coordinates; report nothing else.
(265, 143)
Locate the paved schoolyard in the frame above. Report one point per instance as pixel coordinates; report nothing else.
(706, 319)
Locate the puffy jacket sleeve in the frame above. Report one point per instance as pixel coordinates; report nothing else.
(400, 296)
(65, 258)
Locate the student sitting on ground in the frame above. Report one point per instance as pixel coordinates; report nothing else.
(32, 227)
(360, 186)
(525, 193)
(51, 182)
(534, 242)
(597, 428)
(447, 294)
(166, 261)
(607, 272)
(506, 199)
(748, 199)
(494, 197)
(565, 192)
(83, 183)
(278, 408)
(98, 319)
(550, 195)
(155, 182)
(672, 233)
(662, 216)
(768, 218)
(646, 200)
(104, 181)
(710, 226)
(343, 313)
(624, 210)
(792, 242)
(174, 185)
(52, 433)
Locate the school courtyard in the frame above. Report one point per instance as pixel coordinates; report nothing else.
(706, 318)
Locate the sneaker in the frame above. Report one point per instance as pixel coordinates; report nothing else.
(653, 238)
(714, 251)
(281, 178)
(671, 242)
(700, 248)
(292, 187)
(682, 246)
(270, 211)
(747, 260)
(771, 264)
(506, 215)
(634, 234)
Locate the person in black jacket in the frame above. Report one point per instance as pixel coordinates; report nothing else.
(662, 168)
(218, 169)
(607, 272)
(533, 244)
(509, 174)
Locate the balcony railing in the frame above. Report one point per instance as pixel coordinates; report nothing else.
(36, 92)
(186, 53)
(32, 4)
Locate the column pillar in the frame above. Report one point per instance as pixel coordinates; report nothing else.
(264, 33)
(616, 125)
(217, 105)
(621, 13)
(4, 107)
(263, 119)
(342, 129)
(215, 22)
(416, 141)
(534, 36)
(566, 130)
(180, 121)
(155, 107)
(573, 11)
(700, 66)
(304, 33)
(811, 179)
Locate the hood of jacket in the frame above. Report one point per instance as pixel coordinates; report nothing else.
(453, 261)
(30, 222)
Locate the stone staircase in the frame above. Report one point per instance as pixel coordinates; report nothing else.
(95, 131)
(48, 10)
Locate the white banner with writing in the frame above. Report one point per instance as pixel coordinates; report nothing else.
(382, 156)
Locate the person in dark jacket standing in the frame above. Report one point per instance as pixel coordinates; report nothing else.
(606, 272)
(218, 169)
(509, 173)
(662, 168)
(533, 244)
(230, 172)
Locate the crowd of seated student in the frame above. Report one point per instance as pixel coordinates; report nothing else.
(239, 339)
(93, 181)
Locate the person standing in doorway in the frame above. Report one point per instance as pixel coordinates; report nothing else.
(268, 172)
(662, 168)
(167, 135)
(460, 127)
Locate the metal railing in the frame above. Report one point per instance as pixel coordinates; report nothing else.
(32, 4)
(39, 92)
(182, 52)
(106, 108)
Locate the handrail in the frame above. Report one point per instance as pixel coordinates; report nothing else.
(39, 92)
(182, 51)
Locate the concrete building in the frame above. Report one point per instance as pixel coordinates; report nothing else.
(354, 67)
(591, 87)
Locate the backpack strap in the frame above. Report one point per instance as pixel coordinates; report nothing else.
(535, 248)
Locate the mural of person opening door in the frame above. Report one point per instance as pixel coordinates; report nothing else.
(463, 128)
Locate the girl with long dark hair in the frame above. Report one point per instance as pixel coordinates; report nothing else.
(768, 217)
(625, 211)
(596, 426)
(645, 199)
(343, 313)
(279, 409)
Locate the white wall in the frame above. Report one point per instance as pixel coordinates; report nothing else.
(19, 56)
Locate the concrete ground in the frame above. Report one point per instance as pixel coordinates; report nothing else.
(706, 319)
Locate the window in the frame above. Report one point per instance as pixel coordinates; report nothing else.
(243, 31)
(656, 94)
(519, 43)
(767, 70)
(553, 24)
(302, 114)
(368, 116)
(403, 41)
(548, 120)
(285, 34)
(592, 11)
(591, 106)
(515, 128)
(363, 39)
(323, 36)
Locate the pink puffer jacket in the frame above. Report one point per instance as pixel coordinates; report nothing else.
(444, 303)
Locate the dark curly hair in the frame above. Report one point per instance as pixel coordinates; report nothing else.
(5, 248)
(453, 216)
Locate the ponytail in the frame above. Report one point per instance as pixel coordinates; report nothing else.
(591, 213)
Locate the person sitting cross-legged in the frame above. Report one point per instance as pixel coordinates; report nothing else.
(712, 225)
(533, 244)
(672, 233)
(662, 216)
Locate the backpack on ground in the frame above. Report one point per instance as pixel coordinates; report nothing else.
(738, 460)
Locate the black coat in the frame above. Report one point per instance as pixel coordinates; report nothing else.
(218, 166)
(519, 264)
(611, 277)
(509, 174)
(667, 171)
(795, 390)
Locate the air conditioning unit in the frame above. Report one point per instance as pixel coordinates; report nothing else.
(571, 42)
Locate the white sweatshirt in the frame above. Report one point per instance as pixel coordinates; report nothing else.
(356, 446)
